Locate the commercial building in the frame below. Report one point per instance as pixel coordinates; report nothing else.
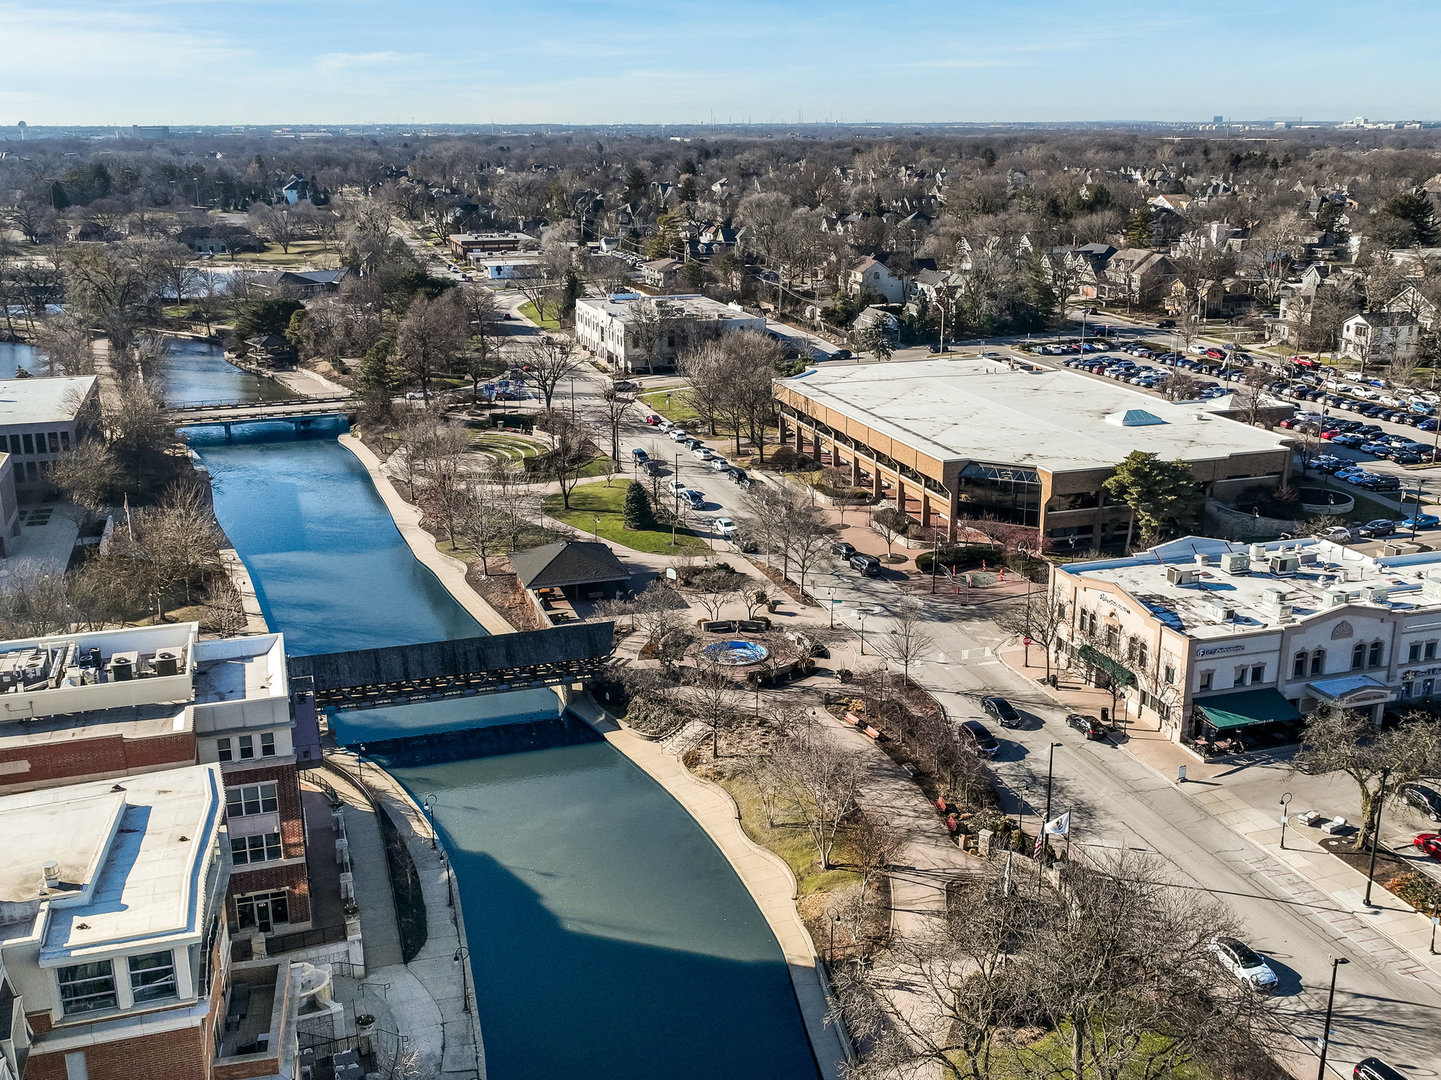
(945, 440)
(122, 703)
(9, 505)
(1211, 641)
(112, 934)
(463, 245)
(613, 328)
(44, 419)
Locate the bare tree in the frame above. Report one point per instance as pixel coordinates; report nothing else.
(892, 524)
(483, 320)
(713, 700)
(615, 406)
(66, 343)
(822, 780)
(714, 589)
(429, 337)
(549, 359)
(1042, 618)
(571, 451)
(909, 640)
(279, 224)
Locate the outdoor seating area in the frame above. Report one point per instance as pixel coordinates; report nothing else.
(348, 1064)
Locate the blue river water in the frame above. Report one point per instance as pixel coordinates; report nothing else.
(608, 936)
(15, 356)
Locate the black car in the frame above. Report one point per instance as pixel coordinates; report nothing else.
(736, 473)
(841, 354)
(1373, 1068)
(868, 565)
(980, 737)
(842, 549)
(1166, 324)
(1422, 798)
(1378, 528)
(1004, 712)
(1087, 725)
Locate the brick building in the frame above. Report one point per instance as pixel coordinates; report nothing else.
(123, 703)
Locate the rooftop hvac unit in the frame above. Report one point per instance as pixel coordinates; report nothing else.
(1236, 563)
(1283, 564)
(1431, 586)
(1309, 558)
(1223, 611)
(167, 662)
(123, 666)
(1182, 575)
(1258, 552)
(1205, 560)
(1336, 598)
(1377, 594)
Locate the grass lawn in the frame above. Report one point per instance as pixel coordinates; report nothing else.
(528, 309)
(673, 404)
(307, 252)
(1020, 1062)
(791, 842)
(504, 446)
(591, 501)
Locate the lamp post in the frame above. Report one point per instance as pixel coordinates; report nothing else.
(935, 558)
(862, 617)
(1045, 843)
(1285, 804)
(429, 806)
(1376, 834)
(1336, 962)
(462, 957)
(831, 603)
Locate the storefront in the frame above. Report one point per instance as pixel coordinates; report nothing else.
(1226, 723)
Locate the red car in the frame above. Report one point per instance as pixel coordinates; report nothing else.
(1430, 844)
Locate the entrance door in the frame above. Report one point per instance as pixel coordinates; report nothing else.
(263, 922)
(1427, 685)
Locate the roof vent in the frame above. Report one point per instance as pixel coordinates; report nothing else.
(1182, 575)
(51, 870)
(1134, 418)
(1203, 559)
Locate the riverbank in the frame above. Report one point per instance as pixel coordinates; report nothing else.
(765, 875)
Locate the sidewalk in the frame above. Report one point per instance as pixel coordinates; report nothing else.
(421, 1000)
(1390, 930)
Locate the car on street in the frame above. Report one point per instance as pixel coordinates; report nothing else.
(980, 737)
(676, 485)
(1243, 962)
(1429, 844)
(653, 467)
(641, 457)
(725, 526)
(1088, 726)
(842, 550)
(1337, 534)
(719, 464)
(868, 565)
(1373, 1068)
(736, 473)
(694, 497)
(1421, 521)
(678, 434)
(1377, 528)
(702, 453)
(1423, 798)
(841, 354)
(1004, 712)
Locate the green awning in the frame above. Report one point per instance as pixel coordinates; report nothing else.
(1119, 675)
(1230, 711)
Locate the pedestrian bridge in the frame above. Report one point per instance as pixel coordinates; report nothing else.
(398, 674)
(296, 409)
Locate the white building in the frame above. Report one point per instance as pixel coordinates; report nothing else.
(44, 419)
(610, 326)
(1379, 337)
(1209, 639)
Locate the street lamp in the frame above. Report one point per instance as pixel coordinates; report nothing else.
(1285, 803)
(862, 616)
(1045, 844)
(462, 957)
(429, 805)
(1336, 962)
(831, 598)
(1376, 834)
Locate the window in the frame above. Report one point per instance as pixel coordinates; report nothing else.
(1318, 662)
(1414, 653)
(262, 847)
(267, 744)
(1358, 656)
(1375, 658)
(1298, 669)
(75, 1066)
(247, 747)
(29, 443)
(1239, 679)
(87, 987)
(1206, 679)
(1171, 674)
(1141, 655)
(1258, 673)
(251, 799)
(152, 976)
(222, 750)
(1113, 638)
(65, 440)
(262, 909)
(1430, 651)
(53, 439)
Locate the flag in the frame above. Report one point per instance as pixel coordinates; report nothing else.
(1006, 878)
(1060, 826)
(1040, 842)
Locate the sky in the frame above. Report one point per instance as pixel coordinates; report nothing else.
(728, 61)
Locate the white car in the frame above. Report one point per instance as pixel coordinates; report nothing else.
(1337, 534)
(719, 464)
(702, 453)
(725, 526)
(676, 485)
(1244, 963)
(678, 434)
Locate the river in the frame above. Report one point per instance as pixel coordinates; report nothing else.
(608, 935)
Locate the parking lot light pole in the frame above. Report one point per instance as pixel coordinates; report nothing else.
(461, 958)
(1045, 844)
(862, 617)
(1336, 962)
(429, 805)
(1376, 834)
(1285, 804)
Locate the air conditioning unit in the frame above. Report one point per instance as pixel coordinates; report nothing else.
(167, 662)
(1205, 560)
(1309, 558)
(1236, 563)
(1283, 564)
(124, 666)
(1336, 598)
(1377, 594)
(1182, 575)
(1431, 587)
(1223, 611)
(1258, 552)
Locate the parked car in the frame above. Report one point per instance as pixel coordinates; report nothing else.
(980, 736)
(1373, 1068)
(842, 549)
(678, 434)
(653, 467)
(841, 354)
(640, 456)
(1337, 534)
(1004, 712)
(1423, 798)
(736, 473)
(702, 453)
(676, 485)
(1088, 726)
(1166, 324)
(694, 497)
(1378, 528)
(868, 565)
(719, 464)
(725, 526)
(1244, 963)
(1421, 521)
(1429, 843)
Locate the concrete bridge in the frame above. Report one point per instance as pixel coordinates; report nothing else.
(298, 410)
(396, 674)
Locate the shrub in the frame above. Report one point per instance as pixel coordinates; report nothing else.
(788, 459)
(963, 557)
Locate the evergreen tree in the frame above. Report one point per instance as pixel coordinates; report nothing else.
(1164, 496)
(1413, 208)
(1039, 291)
(637, 511)
(1138, 229)
(636, 183)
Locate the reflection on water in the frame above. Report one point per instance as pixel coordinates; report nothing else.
(197, 373)
(15, 357)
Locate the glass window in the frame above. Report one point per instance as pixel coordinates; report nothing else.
(262, 847)
(87, 987)
(65, 440)
(1414, 653)
(53, 438)
(1298, 669)
(1358, 656)
(1375, 658)
(267, 744)
(29, 443)
(251, 799)
(1430, 651)
(1170, 674)
(152, 976)
(247, 747)
(1206, 679)
(1258, 673)
(222, 749)
(1318, 662)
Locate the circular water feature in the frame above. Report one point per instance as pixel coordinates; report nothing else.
(735, 653)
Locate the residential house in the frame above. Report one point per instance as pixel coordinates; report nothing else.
(301, 284)
(1381, 336)
(661, 273)
(613, 328)
(1134, 277)
(870, 275)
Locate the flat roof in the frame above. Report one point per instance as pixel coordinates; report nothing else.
(695, 305)
(1220, 604)
(133, 858)
(1061, 421)
(43, 400)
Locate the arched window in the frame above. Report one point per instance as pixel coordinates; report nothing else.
(1358, 656)
(1298, 669)
(1318, 662)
